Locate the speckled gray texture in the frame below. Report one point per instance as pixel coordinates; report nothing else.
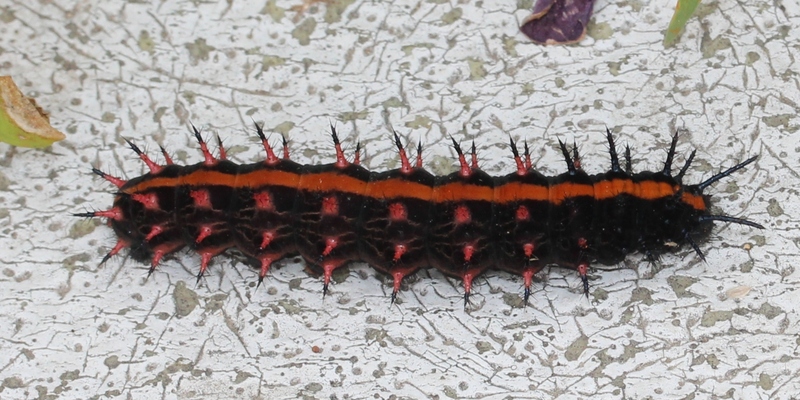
(681, 329)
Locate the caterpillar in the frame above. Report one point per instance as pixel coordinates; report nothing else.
(401, 220)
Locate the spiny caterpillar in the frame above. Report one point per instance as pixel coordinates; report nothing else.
(401, 220)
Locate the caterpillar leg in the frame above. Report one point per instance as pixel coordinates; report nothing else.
(527, 276)
(467, 277)
(583, 270)
(398, 273)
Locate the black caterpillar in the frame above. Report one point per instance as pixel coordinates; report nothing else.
(401, 220)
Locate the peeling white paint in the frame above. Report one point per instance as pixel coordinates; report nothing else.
(107, 70)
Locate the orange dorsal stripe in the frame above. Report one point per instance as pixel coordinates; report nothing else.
(399, 188)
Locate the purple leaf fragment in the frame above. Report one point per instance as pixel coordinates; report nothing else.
(558, 21)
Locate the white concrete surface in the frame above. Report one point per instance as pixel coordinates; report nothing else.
(69, 329)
